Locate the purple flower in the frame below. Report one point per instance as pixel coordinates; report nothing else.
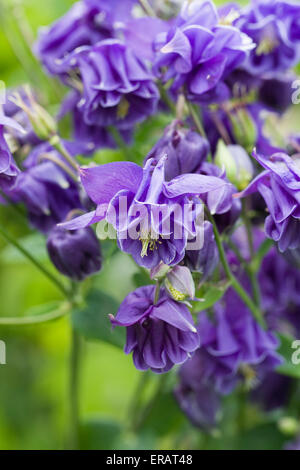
(197, 399)
(85, 24)
(279, 185)
(117, 87)
(199, 52)
(154, 219)
(234, 346)
(91, 137)
(8, 167)
(46, 190)
(185, 150)
(158, 334)
(75, 254)
(274, 26)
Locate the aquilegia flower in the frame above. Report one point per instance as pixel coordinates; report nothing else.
(199, 52)
(274, 26)
(153, 218)
(85, 24)
(48, 193)
(158, 334)
(185, 149)
(8, 167)
(198, 399)
(118, 89)
(75, 254)
(234, 346)
(279, 185)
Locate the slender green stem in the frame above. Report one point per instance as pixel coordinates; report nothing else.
(147, 8)
(74, 389)
(10, 239)
(251, 273)
(13, 206)
(166, 98)
(234, 282)
(136, 399)
(36, 319)
(157, 292)
(56, 142)
(150, 405)
(61, 164)
(117, 136)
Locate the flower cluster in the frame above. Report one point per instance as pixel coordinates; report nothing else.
(190, 209)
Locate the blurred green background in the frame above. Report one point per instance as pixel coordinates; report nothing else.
(34, 382)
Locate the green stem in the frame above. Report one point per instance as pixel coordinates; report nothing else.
(251, 273)
(166, 98)
(61, 164)
(234, 282)
(135, 402)
(56, 142)
(147, 8)
(150, 405)
(34, 261)
(74, 390)
(36, 319)
(116, 135)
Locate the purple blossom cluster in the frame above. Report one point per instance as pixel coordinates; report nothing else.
(191, 210)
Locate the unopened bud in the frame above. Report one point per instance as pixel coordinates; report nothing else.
(159, 272)
(289, 425)
(244, 129)
(237, 163)
(180, 284)
(42, 122)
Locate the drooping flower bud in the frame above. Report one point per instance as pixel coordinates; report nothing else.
(159, 272)
(244, 128)
(206, 259)
(237, 163)
(75, 254)
(42, 122)
(180, 284)
(185, 150)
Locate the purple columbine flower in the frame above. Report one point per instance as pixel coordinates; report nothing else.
(185, 149)
(234, 346)
(199, 52)
(274, 26)
(85, 24)
(75, 254)
(8, 167)
(48, 193)
(92, 137)
(154, 219)
(118, 89)
(198, 399)
(279, 185)
(158, 334)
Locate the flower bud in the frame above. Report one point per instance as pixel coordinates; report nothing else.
(180, 284)
(159, 272)
(243, 128)
(237, 163)
(289, 425)
(75, 254)
(206, 259)
(185, 150)
(42, 122)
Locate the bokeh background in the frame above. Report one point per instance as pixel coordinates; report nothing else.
(34, 382)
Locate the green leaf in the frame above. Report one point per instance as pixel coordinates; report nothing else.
(286, 350)
(210, 295)
(92, 320)
(100, 434)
